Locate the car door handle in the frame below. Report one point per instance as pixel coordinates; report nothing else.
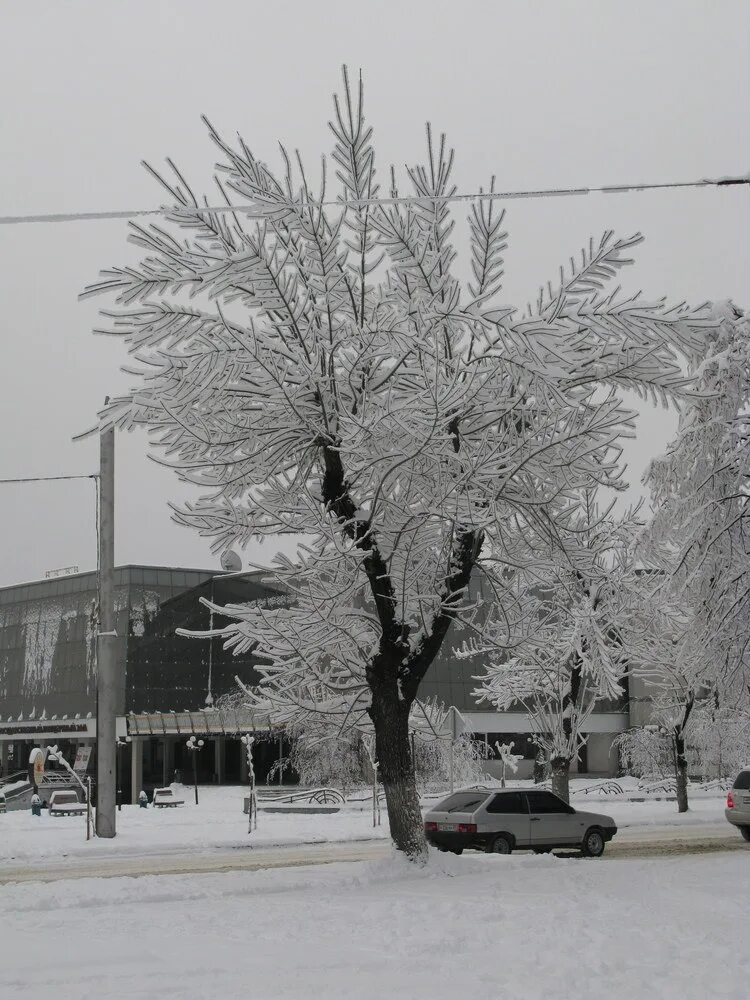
(534, 819)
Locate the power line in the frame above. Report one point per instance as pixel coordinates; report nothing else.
(47, 479)
(251, 210)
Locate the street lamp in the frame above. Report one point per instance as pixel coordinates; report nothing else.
(120, 744)
(195, 746)
(55, 754)
(252, 807)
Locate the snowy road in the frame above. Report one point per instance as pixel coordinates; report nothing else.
(479, 926)
(651, 842)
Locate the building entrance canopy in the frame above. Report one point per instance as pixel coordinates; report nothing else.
(205, 721)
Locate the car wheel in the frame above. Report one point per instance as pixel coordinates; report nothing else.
(745, 831)
(593, 843)
(500, 845)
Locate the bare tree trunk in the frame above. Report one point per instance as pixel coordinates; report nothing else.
(561, 777)
(560, 764)
(390, 716)
(681, 768)
(680, 760)
(539, 767)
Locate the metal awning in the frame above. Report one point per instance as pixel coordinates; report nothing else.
(204, 721)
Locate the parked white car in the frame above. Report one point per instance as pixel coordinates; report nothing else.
(515, 819)
(738, 803)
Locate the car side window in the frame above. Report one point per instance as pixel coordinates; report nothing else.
(507, 802)
(546, 802)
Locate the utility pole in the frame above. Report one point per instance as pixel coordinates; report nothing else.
(106, 648)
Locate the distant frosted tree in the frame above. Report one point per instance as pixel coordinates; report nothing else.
(697, 662)
(666, 653)
(311, 360)
(645, 752)
(719, 739)
(699, 489)
(570, 656)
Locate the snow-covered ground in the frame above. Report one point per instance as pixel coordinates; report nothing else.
(484, 927)
(218, 822)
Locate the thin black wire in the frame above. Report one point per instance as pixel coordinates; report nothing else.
(47, 479)
(251, 210)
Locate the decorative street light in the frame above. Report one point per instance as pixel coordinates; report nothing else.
(120, 744)
(55, 754)
(195, 746)
(252, 806)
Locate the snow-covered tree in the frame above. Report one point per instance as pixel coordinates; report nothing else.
(719, 739)
(439, 756)
(570, 656)
(698, 539)
(322, 752)
(508, 759)
(666, 654)
(314, 363)
(325, 756)
(645, 751)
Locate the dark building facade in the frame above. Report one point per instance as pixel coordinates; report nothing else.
(169, 684)
(48, 670)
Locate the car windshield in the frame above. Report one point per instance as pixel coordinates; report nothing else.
(743, 780)
(463, 801)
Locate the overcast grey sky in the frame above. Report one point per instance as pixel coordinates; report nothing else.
(540, 93)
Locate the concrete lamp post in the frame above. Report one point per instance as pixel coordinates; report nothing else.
(195, 746)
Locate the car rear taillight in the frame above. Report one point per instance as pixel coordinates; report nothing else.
(730, 800)
(467, 827)
(430, 826)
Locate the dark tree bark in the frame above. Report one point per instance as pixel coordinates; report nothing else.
(396, 671)
(680, 759)
(539, 767)
(561, 777)
(681, 773)
(560, 763)
(390, 717)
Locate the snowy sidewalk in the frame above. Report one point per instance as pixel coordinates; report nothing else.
(218, 823)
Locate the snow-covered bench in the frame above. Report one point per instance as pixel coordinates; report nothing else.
(165, 797)
(65, 804)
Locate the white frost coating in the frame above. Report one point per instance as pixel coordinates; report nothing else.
(564, 662)
(41, 631)
(43, 625)
(144, 606)
(330, 373)
(694, 628)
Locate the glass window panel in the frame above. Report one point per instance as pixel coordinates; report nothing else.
(507, 802)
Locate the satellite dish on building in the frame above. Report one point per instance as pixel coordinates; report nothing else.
(230, 562)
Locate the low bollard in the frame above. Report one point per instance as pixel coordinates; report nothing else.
(36, 805)
(143, 800)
